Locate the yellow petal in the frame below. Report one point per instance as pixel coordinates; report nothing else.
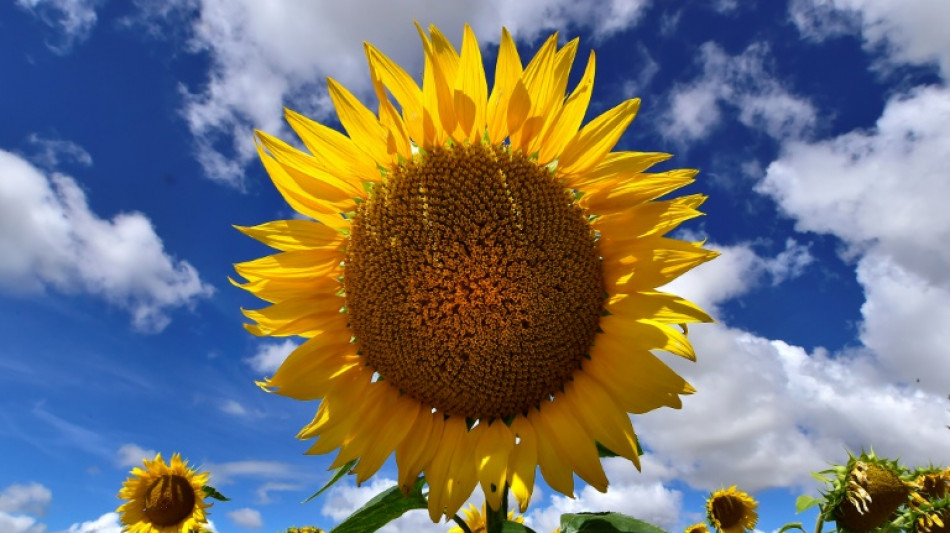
(524, 461)
(360, 123)
(597, 411)
(471, 89)
(436, 90)
(651, 218)
(463, 476)
(569, 118)
(404, 90)
(555, 467)
(598, 137)
(650, 262)
(640, 381)
(279, 289)
(571, 441)
(290, 265)
(656, 306)
(649, 335)
(617, 168)
(308, 172)
(334, 151)
(388, 433)
(641, 188)
(494, 443)
(397, 135)
(298, 316)
(549, 98)
(439, 471)
(507, 74)
(536, 84)
(303, 374)
(416, 451)
(288, 235)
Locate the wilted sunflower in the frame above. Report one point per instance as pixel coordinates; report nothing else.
(487, 301)
(864, 493)
(475, 519)
(164, 498)
(732, 511)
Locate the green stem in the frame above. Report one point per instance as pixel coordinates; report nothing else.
(461, 523)
(495, 519)
(820, 520)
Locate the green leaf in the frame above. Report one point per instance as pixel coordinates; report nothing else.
(515, 527)
(211, 492)
(603, 451)
(805, 502)
(819, 476)
(382, 509)
(337, 475)
(605, 523)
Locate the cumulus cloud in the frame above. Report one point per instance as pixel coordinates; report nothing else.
(246, 517)
(130, 455)
(11, 523)
(911, 31)
(53, 240)
(32, 498)
(741, 84)
(73, 20)
(269, 356)
(266, 56)
(232, 407)
(107, 523)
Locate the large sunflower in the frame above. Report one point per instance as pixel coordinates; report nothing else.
(478, 282)
(164, 498)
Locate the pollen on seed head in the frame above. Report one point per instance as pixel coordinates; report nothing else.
(473, 282)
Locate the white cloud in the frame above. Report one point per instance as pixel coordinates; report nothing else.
(263, 492)
(32, 498)
(223, 473)
(132, 455)
(107, 523)
(52, 239)
(246, 517)
(232, 407)
(74, 19)
(264, 56)
(910, 31)
(11, 523)
(269, 356)
(50, 153)
(742, 84)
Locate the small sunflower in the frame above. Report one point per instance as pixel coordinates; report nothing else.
(730, 511)
(164, 498)
(864, 493)
(475, 519)
(477, 284)
(697, 528)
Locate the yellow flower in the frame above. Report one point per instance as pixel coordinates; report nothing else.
(697, 528)
(487, 302)
(731, 511)
(475, 520)
(164, 498)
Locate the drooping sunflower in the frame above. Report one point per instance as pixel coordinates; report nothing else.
(732, 511)
(478, 283)
(864, 493)
(164, 498)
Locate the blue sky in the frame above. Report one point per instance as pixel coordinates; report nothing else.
(126, 155)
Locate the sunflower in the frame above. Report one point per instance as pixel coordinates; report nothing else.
(732, 511)
(864, 493)
(697, 528)
(475, 520)
(477, 283)
(164, 498)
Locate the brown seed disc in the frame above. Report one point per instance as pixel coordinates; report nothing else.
(169, 500)
(887, 494)
(728, 510)
(473, 283)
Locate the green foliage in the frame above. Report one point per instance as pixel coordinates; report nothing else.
(605, 523)
(211, 492)
(805, 502)
(515, 527)
(384, 508)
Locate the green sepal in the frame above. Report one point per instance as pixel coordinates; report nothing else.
(515, 527)
(805, 502)
(605, 523)
(791, 525)
(604, 451)
(383, 509)
(337, 475)
(211, 492)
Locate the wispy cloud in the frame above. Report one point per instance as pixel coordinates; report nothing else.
(72, 20)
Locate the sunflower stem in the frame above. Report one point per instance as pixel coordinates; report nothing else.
(461, 523)
(820, 522)
(495, 519)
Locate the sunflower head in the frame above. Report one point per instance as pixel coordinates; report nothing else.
(864, 493)
(477, 278)
(164, 498)
(475, 519)
(731, 511)
(931, 483)
(697, 528)
(305, 529)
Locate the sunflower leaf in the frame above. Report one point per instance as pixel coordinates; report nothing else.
(515, 527)
(793, 525)
(337, 475)
(605, 523)
(604, 451)
(211, 492)
(382, 509)
(805, 502)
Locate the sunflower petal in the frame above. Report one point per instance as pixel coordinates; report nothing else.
(523, 464)
(656, 306)
(651, 218)
(571, 442)
(507, 74)
(360, 123)
(650, 262)
(471, 89)
(597, 411)
(554, 466)
(289, 235)
(404, 90)
(598, 137)
(569, 118)
(641, 188)
(494, 443)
